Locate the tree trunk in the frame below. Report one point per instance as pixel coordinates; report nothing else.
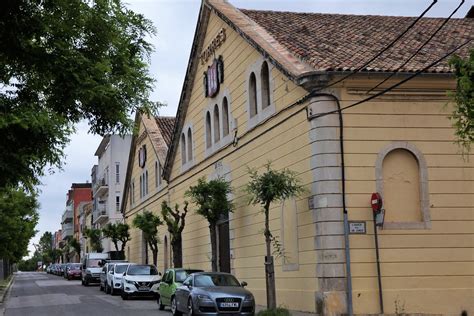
(154, 250)
(269, 266)
(212, 232)
(116, 245)
(176, 246)
(146, 253)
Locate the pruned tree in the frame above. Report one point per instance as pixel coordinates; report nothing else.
(45, 247)
(463, 113)
(175, 220)
(95, 239)
(270, 187)
(148, 223)
(212, 202)
(67, 61)
(117, 232)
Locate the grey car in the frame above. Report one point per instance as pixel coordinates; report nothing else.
(212, 293)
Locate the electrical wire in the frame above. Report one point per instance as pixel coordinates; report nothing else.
(397, 84)
(419, 49)
(383, 50)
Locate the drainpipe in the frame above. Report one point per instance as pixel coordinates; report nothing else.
(344, 209)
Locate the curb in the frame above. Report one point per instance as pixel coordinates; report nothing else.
(7, 289)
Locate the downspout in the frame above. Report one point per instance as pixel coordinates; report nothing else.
(344, 209)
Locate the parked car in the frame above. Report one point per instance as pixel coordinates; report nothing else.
(113, 283)
(212, 293)
(92, 267)
(48, 269)
(61, 269)
(170, 281)
(140, 280)
(73, 271)
(105, 272)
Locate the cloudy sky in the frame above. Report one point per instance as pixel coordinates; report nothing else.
(175, 21)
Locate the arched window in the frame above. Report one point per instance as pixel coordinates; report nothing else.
(190, 144)
(141, 186)
(402, 179)
(157, 176)
(265, 79)
(146, 183)
(401, 186)
(208, 130)
(217, 128)
(225, 117)
(183, 149)
(253, 95)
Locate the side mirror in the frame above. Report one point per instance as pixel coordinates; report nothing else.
(159, 273)
(244, 284)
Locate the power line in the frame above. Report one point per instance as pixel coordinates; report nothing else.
(419, 49)
(397, 84)
(383, 50)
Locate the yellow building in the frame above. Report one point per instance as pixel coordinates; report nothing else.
(267, 86)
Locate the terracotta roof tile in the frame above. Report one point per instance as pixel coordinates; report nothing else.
(337, 42)
(166, 126)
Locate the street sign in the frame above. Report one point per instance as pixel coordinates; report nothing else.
(357, 228)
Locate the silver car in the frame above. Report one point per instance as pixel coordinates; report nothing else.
(212, 293)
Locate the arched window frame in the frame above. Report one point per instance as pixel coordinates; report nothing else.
(187, 147)
(262, 112)
(208, 129)
(423, 179)
(217, 125)
(224, 139)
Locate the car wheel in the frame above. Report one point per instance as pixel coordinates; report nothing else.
(107, 288)
(160, 304)
(101, 288)
(174, 307)
(190, 307)
(124, 296)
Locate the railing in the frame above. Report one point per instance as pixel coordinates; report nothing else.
(67, 230)
(67, 216)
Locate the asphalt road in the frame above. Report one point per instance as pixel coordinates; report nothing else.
(38, 293)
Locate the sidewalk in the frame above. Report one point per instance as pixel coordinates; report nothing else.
(4, 288)
(293, 313)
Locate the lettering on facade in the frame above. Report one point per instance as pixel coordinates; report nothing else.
(357, 228)
(217, 42)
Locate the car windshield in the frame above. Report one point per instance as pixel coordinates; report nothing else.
(181, 275)
(121, 268)
(212, 280)
(75, 266)
(142, 270)
(93, 263)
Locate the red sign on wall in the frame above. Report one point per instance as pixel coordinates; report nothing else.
(213, 77)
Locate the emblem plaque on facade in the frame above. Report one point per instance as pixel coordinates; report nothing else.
(213, 77)
(142, 156)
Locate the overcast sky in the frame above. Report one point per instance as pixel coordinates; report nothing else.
(175, 21)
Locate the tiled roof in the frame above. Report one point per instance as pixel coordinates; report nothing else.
(166, 126)
(336, 42)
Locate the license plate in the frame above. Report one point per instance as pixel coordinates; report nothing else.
(143, 288)
(236, 305)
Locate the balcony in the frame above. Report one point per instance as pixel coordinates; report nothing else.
(100, 213)
(67, 231)
(67, 216)
(101, 188)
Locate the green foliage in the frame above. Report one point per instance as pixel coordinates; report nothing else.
(279, 311)
(95, 238)
(45, 247)
(30, 264)
(117, 232)
(18, 219)
(211, 198)
(67, 61)
(463, 113)
(148, 223)
(75, 245)
(272, 186)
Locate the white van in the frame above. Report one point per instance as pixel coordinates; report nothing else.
(92, 266)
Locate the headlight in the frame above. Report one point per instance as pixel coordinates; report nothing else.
(203, 297)
(249, 297)
(129, 282)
